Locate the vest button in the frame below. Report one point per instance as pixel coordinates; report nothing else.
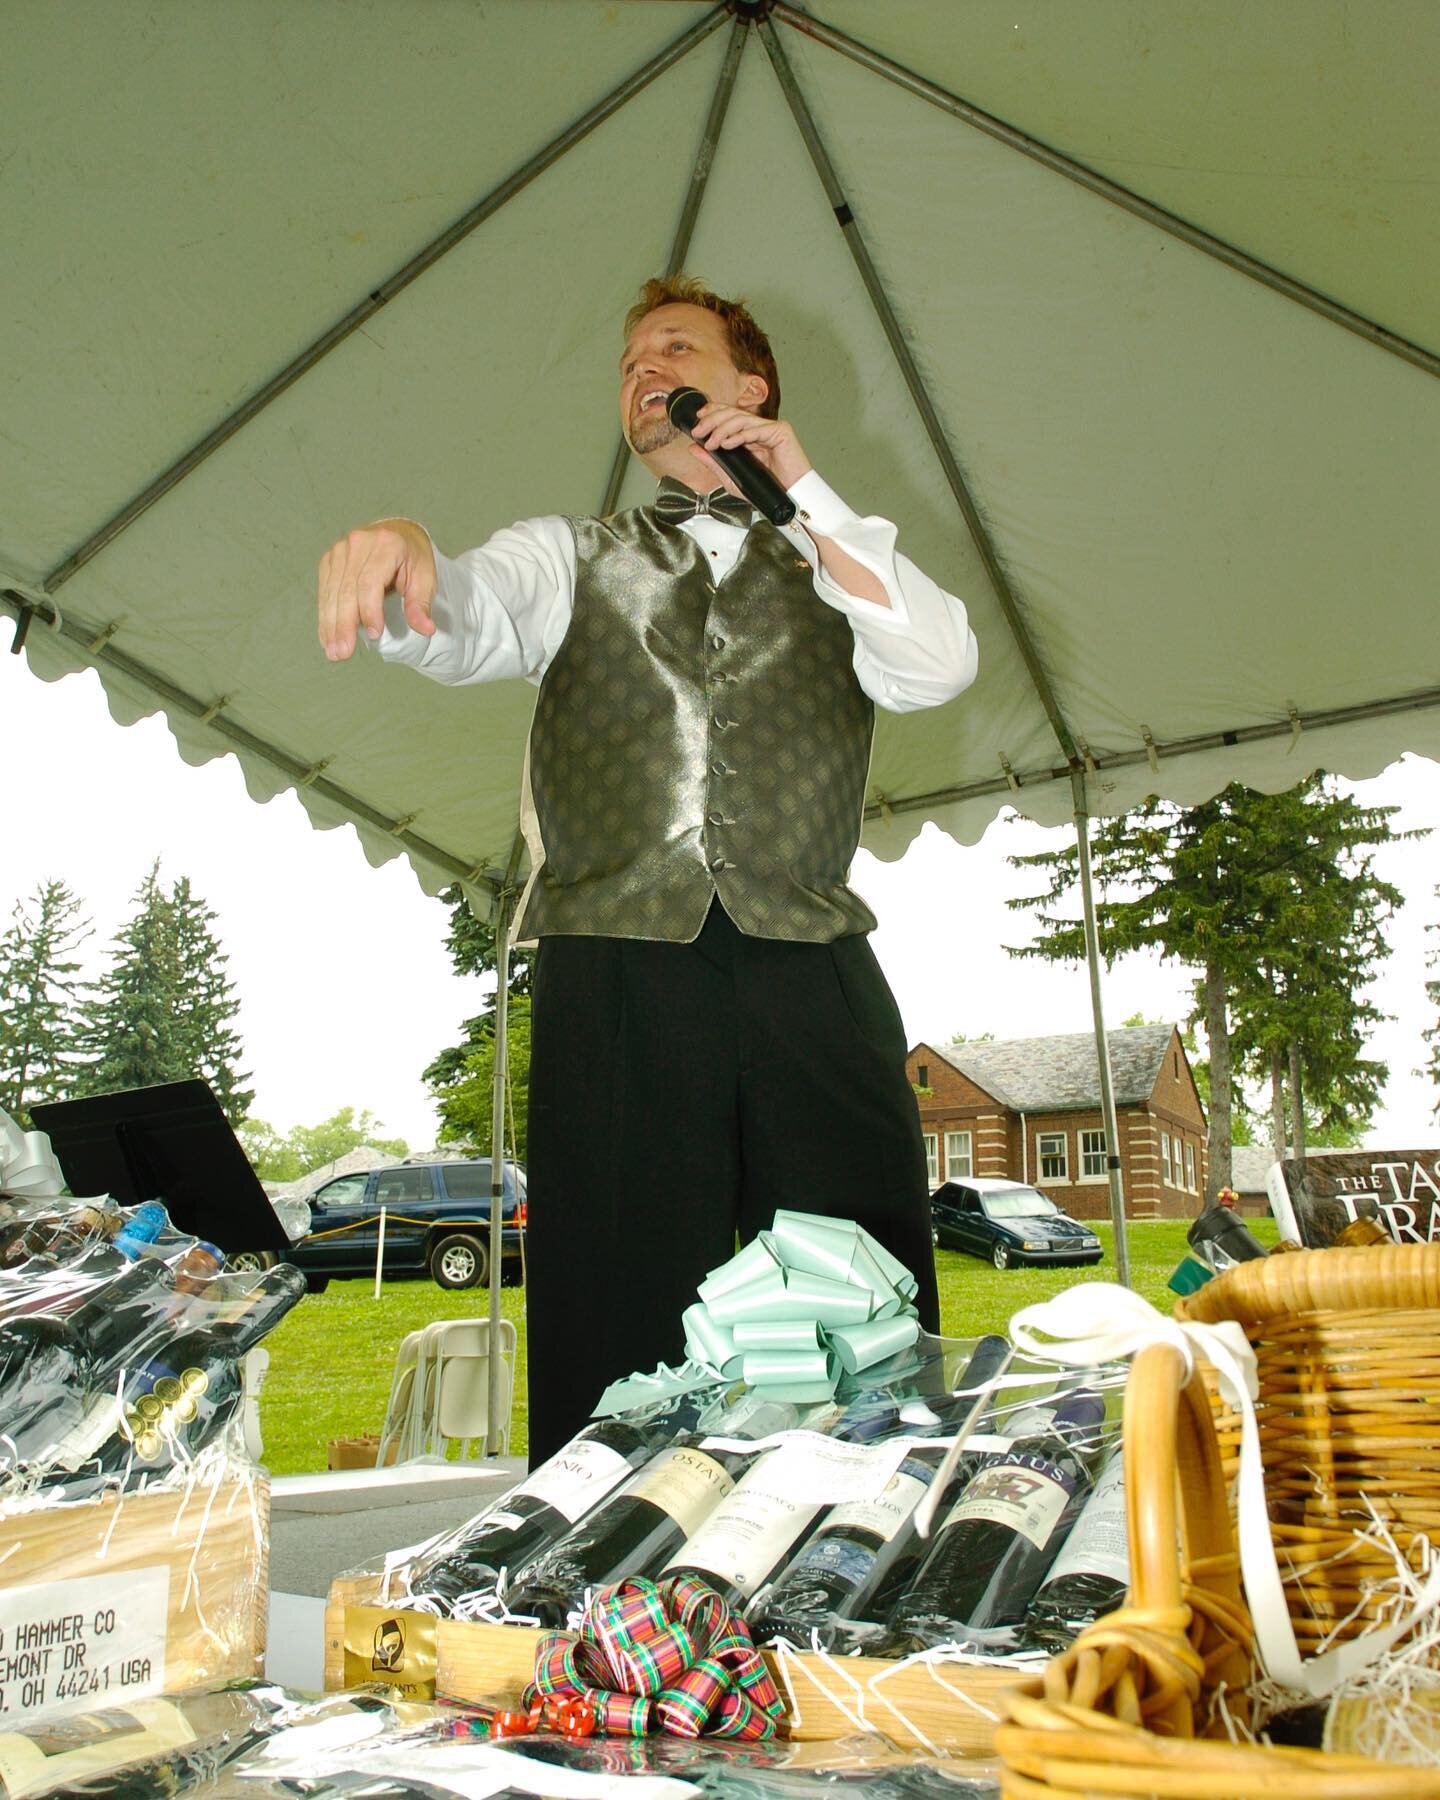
(717, 642)
(718, 863)
(722, 723)
(715, 818)
(720, 769)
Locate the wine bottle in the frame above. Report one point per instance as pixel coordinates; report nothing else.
(750, 1533)
(981, 1571)
(633, 1533)
(183, 1397)
(54, 1367)
(49, 1238)
(534, 1516)
(1091, 1574)
(837, 1571)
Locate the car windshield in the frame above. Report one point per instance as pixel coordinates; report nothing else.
(1019, 1203)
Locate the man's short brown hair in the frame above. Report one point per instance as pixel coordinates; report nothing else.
(749, 347)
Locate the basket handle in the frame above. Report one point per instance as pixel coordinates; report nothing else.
(1174, 1484)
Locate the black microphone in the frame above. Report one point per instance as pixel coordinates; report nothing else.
(745, 469)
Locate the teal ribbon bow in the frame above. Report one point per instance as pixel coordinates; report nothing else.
(805, 1302)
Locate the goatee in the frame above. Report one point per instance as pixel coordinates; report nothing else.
(652, 434)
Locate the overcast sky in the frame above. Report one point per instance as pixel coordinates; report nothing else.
(347, 992)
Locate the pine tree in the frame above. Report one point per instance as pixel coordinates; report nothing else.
(164, 1009)
(209, 1010)
(40, 996)
(1275, 901)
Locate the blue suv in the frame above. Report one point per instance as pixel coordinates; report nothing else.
(437, 1221)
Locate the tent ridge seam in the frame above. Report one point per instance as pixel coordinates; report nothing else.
(1128, 200)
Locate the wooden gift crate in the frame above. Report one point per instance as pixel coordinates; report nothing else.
(208, 1549)
(957, 1708)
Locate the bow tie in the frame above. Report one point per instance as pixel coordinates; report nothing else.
(675, 503)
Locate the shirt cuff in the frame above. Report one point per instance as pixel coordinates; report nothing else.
(818, 507)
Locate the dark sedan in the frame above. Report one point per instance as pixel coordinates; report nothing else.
(1007, 1223)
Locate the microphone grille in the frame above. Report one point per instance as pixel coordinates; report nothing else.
(683, 407)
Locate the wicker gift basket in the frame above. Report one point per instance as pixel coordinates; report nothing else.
(1349, 1424)
(1348, 1411)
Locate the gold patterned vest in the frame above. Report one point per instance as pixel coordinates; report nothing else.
(694, 738)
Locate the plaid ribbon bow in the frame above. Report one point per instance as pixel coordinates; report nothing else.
(668, 1655)
(674, 503)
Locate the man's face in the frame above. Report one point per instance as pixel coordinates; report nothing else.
(677, 346)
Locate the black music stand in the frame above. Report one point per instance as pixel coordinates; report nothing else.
(170, 1143)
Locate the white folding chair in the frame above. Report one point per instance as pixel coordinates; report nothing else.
(397, 1434)
(453, 1386)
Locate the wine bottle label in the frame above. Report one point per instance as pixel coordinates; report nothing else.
(1098, 1545)
(887, 1513)
(743, 1539)
(83, 1433)
(506, 1521)
(1027, 1493)
(687, 1484)
(63, 1760)
(577, 1479)
(850, 1562)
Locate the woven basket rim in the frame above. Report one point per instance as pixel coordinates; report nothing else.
(1350, 1280)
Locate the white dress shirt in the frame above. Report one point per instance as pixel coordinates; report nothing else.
(502, 610)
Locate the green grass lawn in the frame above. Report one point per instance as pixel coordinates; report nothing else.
(331, 1359)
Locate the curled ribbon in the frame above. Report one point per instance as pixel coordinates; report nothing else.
(669, 1655)
(801, 1303)
(1097, 1321)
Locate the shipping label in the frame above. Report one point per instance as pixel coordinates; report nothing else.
(70, 1646)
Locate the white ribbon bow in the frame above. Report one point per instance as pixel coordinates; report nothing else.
(27, 1163)
(1097, 1321)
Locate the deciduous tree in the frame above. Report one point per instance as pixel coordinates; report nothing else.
(1274, 900)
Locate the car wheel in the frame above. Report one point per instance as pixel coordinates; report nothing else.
(459, 1261)
(1000, 1256)
(251, 1260)
(316, 1284)
(934, 1234)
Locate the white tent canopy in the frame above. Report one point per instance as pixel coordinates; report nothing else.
(1126, 312)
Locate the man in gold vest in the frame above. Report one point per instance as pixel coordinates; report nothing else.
(712, 1037)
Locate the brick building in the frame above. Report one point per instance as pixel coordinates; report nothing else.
(1029, 1109)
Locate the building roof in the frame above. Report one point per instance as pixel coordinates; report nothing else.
(1249, 1165)
(1062, 1074)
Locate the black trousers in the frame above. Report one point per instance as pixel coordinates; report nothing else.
(679, 1094)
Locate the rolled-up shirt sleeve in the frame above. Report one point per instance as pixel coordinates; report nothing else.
(918, 651)
(501, 610)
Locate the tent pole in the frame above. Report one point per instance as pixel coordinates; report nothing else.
(497, 1161)
(685, 230)
(1090, 179)
(1102, 1043)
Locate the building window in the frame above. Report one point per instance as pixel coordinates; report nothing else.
(922, 1074)
(1053, 1154)
(932, 1158)
(1190, 1168)
(1092, 1153)
(1165, 1174)
(1176, 1055)
(957, 1155)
